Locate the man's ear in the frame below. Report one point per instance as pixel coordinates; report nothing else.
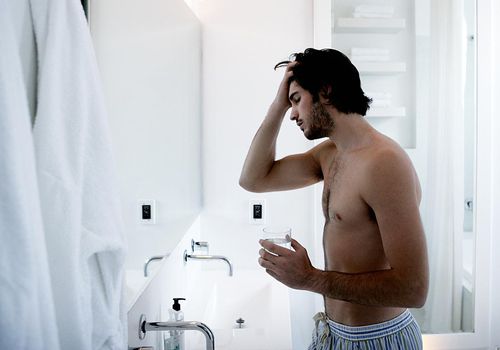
(324, 93)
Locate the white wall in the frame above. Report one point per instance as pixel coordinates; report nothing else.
(242, 41)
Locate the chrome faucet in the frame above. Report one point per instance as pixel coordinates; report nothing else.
(199, 246)
(145, 326)
(209, 257)
(149, 260)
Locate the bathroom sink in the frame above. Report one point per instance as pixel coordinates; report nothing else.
(251, 295)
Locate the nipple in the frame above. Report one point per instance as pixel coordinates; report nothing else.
(335, 217)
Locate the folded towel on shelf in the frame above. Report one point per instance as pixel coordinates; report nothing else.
(380, 102)
(380, 99)
(358, 51)
(379, 95)
(367, 58)
(373, 11)
(380, 9)
(371, 15)
(362, 54)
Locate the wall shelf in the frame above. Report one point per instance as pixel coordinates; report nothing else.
(386, 112)
(369, 25)
(390, 69)
(380, 68)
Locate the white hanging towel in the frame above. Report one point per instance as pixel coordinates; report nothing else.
(27, 318)
(78, 190)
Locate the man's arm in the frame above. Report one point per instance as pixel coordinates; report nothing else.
(391, 192)
(261, 172)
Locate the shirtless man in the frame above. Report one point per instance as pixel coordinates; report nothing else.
(374, 244)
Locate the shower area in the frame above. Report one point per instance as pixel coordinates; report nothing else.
(417, 60)
(447, 56)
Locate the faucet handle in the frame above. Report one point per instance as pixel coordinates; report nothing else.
(202, 245)
(240, 322)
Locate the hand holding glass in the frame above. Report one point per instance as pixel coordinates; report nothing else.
(281, 236)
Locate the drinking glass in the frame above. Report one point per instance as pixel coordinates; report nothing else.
(280, 235)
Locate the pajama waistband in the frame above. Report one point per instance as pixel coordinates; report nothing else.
(368, 332)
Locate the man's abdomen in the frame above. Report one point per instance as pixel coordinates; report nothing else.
(355, 249)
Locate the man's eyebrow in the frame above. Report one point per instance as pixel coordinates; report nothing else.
(291, 96)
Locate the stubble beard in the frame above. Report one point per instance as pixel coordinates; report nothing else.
(321, 123)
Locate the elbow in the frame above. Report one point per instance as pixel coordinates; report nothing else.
(421, 298)
(417, 301)
(245, 184)
(250, 186)
(418, 294)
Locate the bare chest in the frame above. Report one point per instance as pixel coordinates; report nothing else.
(342, 201)
(351, 237)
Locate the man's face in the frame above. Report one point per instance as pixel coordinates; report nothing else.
(311, 117)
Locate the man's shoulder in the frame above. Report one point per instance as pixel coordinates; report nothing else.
(389, 170)
(388, 163)
(386, 151)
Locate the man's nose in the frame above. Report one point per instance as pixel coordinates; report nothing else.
(294, 114)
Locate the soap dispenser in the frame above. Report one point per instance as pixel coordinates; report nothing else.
(176, 340)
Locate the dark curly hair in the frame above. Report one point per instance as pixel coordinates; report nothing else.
(330, 73)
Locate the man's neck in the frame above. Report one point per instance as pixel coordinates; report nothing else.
(351, 131)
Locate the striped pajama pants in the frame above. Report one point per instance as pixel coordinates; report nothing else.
(401, 332)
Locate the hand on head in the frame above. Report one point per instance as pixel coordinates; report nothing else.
(281, 99)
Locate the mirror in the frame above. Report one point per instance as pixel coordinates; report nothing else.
(154, 102)
(149, 57)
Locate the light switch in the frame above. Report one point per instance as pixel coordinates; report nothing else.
(257, 212)
(147, 211)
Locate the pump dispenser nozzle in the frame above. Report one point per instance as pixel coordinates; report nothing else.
(176, 340)
(177, 306)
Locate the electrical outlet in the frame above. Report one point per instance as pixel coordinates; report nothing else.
(257, 212)
(147, 211)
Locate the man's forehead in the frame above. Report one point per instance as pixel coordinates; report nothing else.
(294, 87)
